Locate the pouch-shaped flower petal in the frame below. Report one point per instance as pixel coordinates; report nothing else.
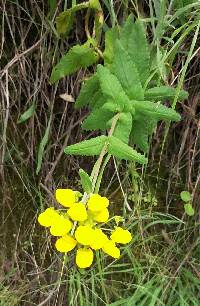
(66, 197)
(84, 258)
(96, 203)
(44, 219)
(48, 217)
(84, 234)
(61, 227)
(77, 212)
(99, 240)
(51, 212)
(65, 244)
(121, 235)
(111, 249)
(101, 216)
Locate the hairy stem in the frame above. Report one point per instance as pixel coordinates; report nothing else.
(98, 183)
(87, 17)
(97, 166)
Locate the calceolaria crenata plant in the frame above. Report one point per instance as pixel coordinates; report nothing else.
(125, 104)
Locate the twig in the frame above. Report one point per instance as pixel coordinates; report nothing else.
(18, 56)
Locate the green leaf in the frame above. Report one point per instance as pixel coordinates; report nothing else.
(133, 38)
(155, 110)
(94, 4)
(97, 120)
(181, 3)
(52, 7)
(85, 181)
(142, 128)
(42, 146)
(122, 151)
(110, 38)
(88, 91)
(27, 114)
(189, 210)
(163, 93)
(64, 22)
(111, 87)
(78, 57)
(110, 107)
(89, 147)
(97, 101)
(123, 127)
(126, 72)
(185, 196)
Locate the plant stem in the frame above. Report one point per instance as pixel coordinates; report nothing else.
(87, 17)
(97, 166)
(98, 183)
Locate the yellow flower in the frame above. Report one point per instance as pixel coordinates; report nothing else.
(100, 239)
(110, 249)
(66, 197)
(48, 217)
(77, 212)
(84, 234)
(65, 244)
(84, 258)
(121, 235)
(96, 203)
(51, 211)
(101, 216)
(61, 227)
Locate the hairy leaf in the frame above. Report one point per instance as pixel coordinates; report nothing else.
(141, 130)
(64, 21)
(97, 120)
(123, 127)
(164, 92)
(156, 110)
(126, 72)
(111, 107)
(110, 38)
(122, 151)
(97, 101)
(78, 57)
(133, 38)
(85, 181)
(89, 147)
(111, 87)
(88, 90)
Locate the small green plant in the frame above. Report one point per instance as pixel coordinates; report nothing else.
(122, 95)
(187, 198)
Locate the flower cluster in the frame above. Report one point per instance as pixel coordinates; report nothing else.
(79, 225)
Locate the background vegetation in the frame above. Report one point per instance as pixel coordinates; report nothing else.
(161, 266)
